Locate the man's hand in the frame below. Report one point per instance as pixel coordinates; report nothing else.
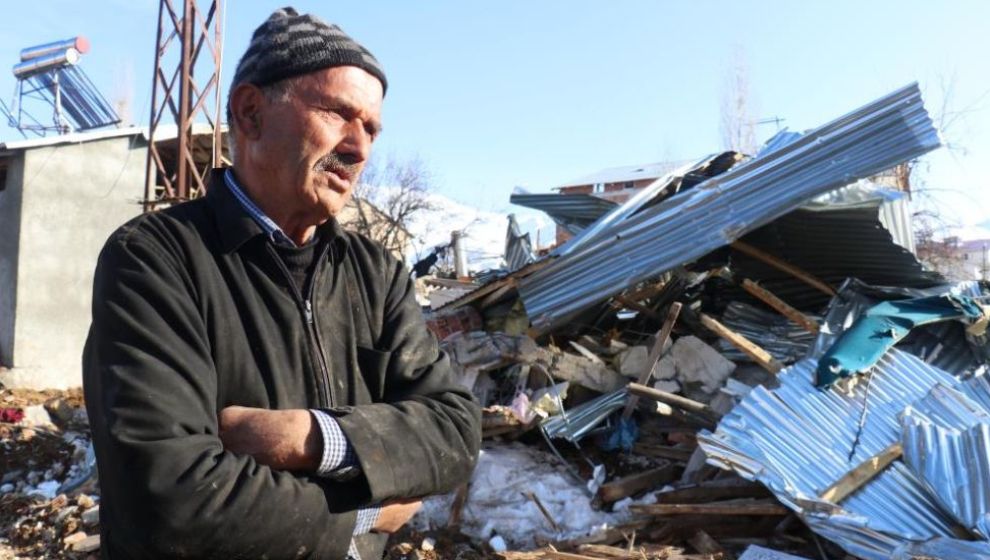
(282, 439)
(396, 513)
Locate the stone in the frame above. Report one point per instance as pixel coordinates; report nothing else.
(584, 372)
(498, 544)
(428, 544)
(85, 501)
(667, 369)
(89, 544)
(699, 363)
(60, 410)
(633, 361)
(74, 538)
(91, 516)
(668, 385)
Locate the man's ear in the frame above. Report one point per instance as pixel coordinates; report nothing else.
(246, 104)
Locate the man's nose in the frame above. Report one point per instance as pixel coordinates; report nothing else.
(356, 141)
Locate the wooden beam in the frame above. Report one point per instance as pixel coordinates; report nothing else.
(681, 454)
(625, 302)
(759, 355)
(673, 400)
(767, 297)
(546, 514)
(779, 264)
(634, 483)
(714, 490)
(863, 473)
(716, 508)
(655, 353)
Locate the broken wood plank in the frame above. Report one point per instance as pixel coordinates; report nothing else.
(671, 452)
(782, 266)
(634, 483)
(759, 355)
(646, 292)
(697, 468)
(673, 400)
(655, 353)
(767, 297)
(863, 473)
(714, 490)
(546, 514)
(611, 552)
(750, 508)
(456, 508)
(625, 302)
(496, 295)
(705, 544)
(586, 353)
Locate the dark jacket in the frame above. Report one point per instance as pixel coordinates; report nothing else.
(192, 312)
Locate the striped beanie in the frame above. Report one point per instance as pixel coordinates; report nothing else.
(289, 44)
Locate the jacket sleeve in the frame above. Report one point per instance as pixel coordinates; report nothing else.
(424, 438)
(169, 488)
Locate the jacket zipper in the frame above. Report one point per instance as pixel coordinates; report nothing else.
(306, 308)
(311, 317)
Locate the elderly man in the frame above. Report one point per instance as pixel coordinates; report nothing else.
(260, 383)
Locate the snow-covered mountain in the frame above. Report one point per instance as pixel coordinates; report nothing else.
(485, 230)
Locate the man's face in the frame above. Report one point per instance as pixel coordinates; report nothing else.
(315, 144)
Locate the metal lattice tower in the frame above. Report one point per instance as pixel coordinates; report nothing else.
(178, 172)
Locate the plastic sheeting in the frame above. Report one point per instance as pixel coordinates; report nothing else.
(883, 325)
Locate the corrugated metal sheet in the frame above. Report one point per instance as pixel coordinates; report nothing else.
(798, 441)
(783, 339)
(518, 248)
(693, 223)
(571, 211)
(622, 174)
(684, 177)
(833, 242)
(946, 439)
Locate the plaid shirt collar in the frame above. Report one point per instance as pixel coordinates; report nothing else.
(267, 225)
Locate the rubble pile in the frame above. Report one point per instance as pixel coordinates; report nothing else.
(744, 360)
(48, 495)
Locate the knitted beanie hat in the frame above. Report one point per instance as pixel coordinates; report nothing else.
(288, 44)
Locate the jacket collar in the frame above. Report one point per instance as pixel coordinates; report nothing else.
(236, 226)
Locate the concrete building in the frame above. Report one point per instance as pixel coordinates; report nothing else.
(976, 258)
(60, 198)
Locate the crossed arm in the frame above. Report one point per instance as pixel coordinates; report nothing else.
(291, 440)
(182, 479)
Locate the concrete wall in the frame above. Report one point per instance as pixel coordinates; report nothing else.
(10, 227)
(74, 197)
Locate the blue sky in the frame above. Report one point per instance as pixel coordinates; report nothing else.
(527, 93)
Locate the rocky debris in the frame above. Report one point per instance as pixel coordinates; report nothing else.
(38, 454)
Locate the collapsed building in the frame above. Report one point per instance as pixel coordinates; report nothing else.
(758, 336)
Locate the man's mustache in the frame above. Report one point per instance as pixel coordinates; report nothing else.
(345, 165)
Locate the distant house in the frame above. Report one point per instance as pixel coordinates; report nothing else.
(614, 184)
(976, 258)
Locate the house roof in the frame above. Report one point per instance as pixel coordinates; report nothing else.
(623, 174)
(974, 245)
(165, 132)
